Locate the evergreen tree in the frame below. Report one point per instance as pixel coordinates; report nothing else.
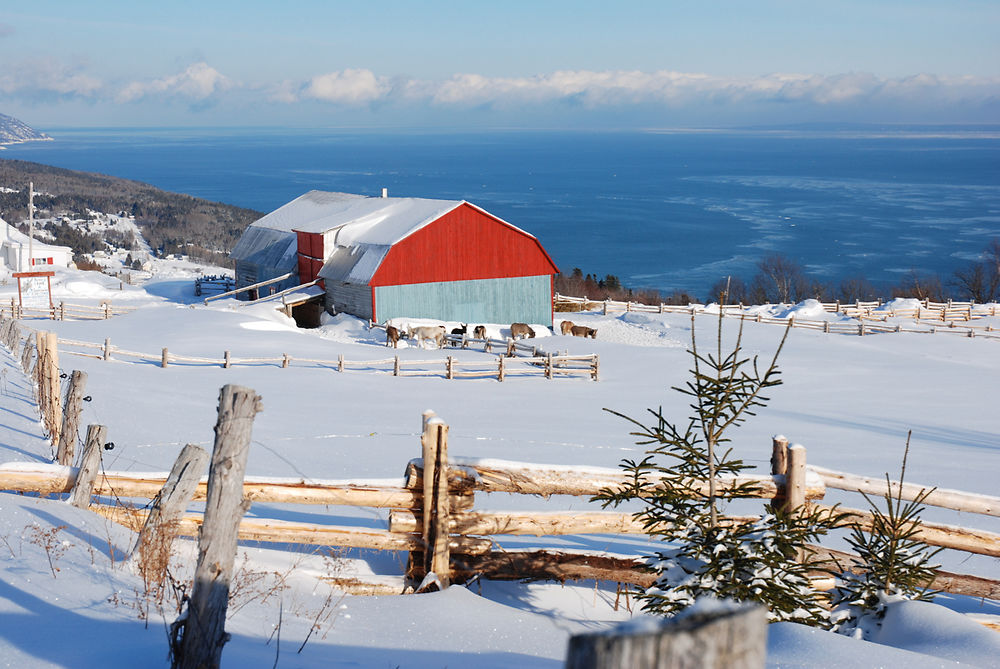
(891, 564)
(766, 560)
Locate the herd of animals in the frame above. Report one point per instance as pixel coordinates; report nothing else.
(436, 333)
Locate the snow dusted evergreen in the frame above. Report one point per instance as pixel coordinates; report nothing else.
(765, 560)
(891, 565)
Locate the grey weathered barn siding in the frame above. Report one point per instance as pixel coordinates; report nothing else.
(505, 300)
(263, 254)
(349, 298)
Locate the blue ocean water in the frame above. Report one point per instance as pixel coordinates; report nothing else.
(667, 210)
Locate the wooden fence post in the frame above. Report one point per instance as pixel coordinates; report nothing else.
(164, 358)
(779, 467)
(225, 361)
(38, 375)
(107, 348)
(500, 370)
(450, 367)
(340, 362)
(779, 455)
(284, 361)
(26, 355)
(395, 365)
(548, 366)
(54, 399)
(71, 417)
(168, 505)
(89, 466)
(595, 368)
(198, 634)
(436, 503)
(727, 639)
(795, 478)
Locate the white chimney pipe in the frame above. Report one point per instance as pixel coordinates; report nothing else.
(385, 192)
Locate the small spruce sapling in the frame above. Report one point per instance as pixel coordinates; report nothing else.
(891, 563)
(766, 560)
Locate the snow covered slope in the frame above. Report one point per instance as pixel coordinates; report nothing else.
(849, 400)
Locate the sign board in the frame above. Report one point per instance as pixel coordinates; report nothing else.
(34, 289)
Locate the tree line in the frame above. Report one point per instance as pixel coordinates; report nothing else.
(780, 279)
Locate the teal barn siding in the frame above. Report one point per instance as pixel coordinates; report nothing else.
(525, 299)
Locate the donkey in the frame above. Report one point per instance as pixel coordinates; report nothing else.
(521, 330)
(460, 332)
(583, 331)
(391, 336)
(479, 332)
(566, 327)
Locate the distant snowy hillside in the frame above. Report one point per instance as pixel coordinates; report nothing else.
(13, 131)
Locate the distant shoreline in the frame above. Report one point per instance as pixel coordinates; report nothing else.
(4, 144)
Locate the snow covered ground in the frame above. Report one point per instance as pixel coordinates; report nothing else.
(849, 400)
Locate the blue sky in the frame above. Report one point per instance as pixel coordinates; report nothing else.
(511, 64)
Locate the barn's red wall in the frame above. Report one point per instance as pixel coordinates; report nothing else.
(310, 243)
(308, 268)
(464, 244)
(310, 259)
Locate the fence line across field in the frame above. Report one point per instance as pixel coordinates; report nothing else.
(547, 365)
(63, 311)
(939, 318)
(474, 534)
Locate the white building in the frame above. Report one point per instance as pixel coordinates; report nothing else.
(14, 250)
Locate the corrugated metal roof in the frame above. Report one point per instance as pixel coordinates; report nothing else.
(266, 247)
(354, 264)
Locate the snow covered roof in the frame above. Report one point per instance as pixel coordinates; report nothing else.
(11, 234)
(356, 218)
(355, 221)
(354, 264)
(266, 247)
(359, 231)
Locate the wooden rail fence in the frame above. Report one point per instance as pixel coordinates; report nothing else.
(217, 282)
(64, 311)
(930, 318)
(507, 364)
(471, 533)
(435, 518)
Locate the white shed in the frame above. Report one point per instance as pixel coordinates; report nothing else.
(14, 250)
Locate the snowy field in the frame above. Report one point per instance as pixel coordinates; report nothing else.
(68, 601)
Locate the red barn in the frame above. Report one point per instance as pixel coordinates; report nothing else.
(385, 257)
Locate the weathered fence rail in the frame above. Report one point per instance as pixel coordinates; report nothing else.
(930, 318)
(547, 365)
(64, 311)
(217, 282)
(474, 534)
